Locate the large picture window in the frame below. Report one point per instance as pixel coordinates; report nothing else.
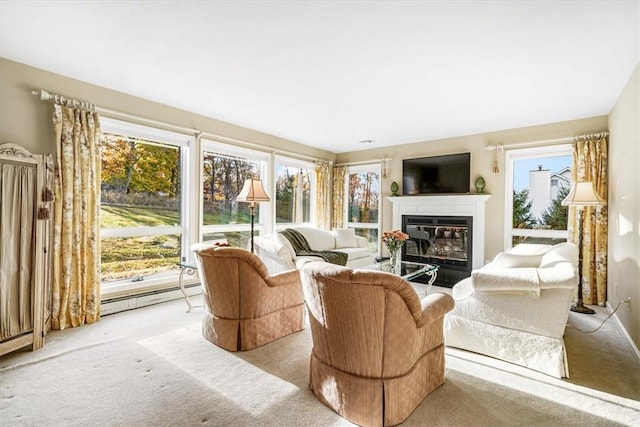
(224, 170)
(142, 202)
(538, 179)
(362, 203)
(294, 192)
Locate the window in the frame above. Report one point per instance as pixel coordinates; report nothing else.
(362, 203)
(538, 179)
(224, 170)
(294, 192)
(142, 203)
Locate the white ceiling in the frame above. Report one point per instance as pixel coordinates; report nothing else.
(330, 74)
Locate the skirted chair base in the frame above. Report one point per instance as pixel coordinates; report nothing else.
(247, 334)
(378, 350)
(244, 306)
(377, 401)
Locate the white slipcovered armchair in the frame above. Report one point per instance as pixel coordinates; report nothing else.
(516, 307)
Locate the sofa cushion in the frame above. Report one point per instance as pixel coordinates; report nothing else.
(529, 249)
(562, 252)
(345, 238)
(319, 240)
(285, 243)
(511, 260)
(356, 253)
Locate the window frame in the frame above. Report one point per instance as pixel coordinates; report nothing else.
(369, 167)
(185, 143)
(296, 163)
(512, 155)
(263, 220)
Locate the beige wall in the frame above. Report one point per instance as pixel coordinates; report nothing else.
(624, 206)
(481, 165)
(25, 120)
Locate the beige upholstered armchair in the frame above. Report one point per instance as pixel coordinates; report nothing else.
(377, 348)
(245, 307)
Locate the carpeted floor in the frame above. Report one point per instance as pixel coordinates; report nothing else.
(151, 367)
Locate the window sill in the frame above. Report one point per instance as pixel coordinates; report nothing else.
(129, 288)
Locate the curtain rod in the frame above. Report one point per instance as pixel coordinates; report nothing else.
(43, 95)
(364, 162)
(567, 139)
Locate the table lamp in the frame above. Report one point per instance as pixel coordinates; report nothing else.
(252, 192)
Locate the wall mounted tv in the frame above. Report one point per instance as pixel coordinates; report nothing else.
(437, 174)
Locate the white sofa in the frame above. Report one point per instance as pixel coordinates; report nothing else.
(516, 307)
(278, 254)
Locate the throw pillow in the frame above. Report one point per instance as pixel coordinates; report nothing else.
(345, 238)
(509, 260)
(562, 252)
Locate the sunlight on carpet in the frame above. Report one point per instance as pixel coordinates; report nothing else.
(229, 376)
(542, 386)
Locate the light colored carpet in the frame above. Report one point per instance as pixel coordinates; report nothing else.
(151, 367)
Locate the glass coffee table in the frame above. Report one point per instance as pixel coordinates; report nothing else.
(408, 271)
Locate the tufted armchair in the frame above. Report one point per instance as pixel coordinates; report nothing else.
(245, 307)
(377, 348)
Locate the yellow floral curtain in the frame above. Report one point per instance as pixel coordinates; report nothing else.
(323, 195)
(590, 164)
(338, 196)
(76, 255)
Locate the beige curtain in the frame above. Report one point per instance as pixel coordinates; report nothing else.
(338, 196)
(590, 164)
(76, 254)
(323, 195)
(17, 243)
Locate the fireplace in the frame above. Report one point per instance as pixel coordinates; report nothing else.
(465, 210)
(445, 241)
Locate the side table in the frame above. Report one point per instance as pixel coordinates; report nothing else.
(190, 269)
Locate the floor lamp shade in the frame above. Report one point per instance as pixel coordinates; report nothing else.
(582, 194)
(252, 192)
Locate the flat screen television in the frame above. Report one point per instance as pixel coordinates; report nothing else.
(436, 175)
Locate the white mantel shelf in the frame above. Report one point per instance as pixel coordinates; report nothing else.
(446, 205)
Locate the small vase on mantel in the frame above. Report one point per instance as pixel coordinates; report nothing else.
(480, 184)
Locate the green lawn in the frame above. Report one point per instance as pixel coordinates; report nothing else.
(130, 257)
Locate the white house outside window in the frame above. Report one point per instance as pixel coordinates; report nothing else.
(537, 179)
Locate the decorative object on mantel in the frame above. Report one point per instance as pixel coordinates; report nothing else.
(582, 194)
(394, 189)
(394, 241)
(480, 185)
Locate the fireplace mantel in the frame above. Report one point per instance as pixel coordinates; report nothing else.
(446, 205)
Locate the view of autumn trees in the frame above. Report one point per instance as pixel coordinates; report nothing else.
(131, 166)
(363, 197)
(293, 194)
(222, 180)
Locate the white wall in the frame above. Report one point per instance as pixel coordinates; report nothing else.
(624, 206)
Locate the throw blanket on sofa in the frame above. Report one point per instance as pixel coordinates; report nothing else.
(302, 248)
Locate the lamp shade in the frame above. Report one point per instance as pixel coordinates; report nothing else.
(583, 194)
(252, 191)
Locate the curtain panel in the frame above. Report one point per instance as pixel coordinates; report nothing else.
(339, 173)
(590, 164)
(17, 247)
(76, 252)
(323, 195)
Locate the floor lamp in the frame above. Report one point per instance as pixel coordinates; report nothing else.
(252, 192)
(582, 194)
